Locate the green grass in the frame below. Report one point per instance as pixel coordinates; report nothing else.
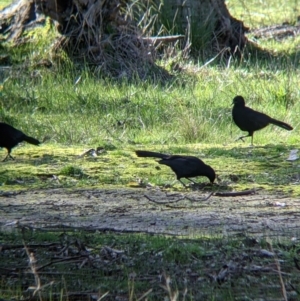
(187, 110)
(4, 3)
(238, 166)
(260, 13)
(130, 265)
(73, 108)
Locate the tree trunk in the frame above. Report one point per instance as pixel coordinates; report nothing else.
(97, 32)
(103, 32)
(208, 24)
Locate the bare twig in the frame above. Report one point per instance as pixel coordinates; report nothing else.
(167, 203)
(297, 265)
(283, 290)
(236, 193)
(68, 259)
(145, 294)
(31, 246)
(164, 203)
(33, 267)
(165, 39)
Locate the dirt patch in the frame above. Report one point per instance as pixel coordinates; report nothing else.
(130, 210)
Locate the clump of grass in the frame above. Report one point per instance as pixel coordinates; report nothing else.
(72, 171)
(194, 128)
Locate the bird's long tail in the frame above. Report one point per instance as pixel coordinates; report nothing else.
(141, 153)
(281, 124)
(31, 140)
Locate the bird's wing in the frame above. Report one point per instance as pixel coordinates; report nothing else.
(180, 163)
(9, 136)
(246, 119)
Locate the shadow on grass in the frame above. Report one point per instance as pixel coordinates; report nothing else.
(122, 265)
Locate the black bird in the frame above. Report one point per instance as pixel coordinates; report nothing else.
(183, 166)
(250, 120)
(10, 137)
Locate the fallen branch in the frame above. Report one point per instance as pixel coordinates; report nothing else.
(236, 193)
(178, 200)
(30, 246)
(10, 194)
(163, 203)
(166, 39)
(73, 259)
(61, 227)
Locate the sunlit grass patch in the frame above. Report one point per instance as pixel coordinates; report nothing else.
(4, 3)
(264, 13)
(60, 166)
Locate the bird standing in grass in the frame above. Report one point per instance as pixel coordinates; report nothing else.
(11, 137)
(183, 166)
(250, 120)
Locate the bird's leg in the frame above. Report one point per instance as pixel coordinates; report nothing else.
(241, 138)
(182, 183)
(249, 135)
(192, 181)
(8, 156)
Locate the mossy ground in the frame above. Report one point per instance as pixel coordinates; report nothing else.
(238, 166)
